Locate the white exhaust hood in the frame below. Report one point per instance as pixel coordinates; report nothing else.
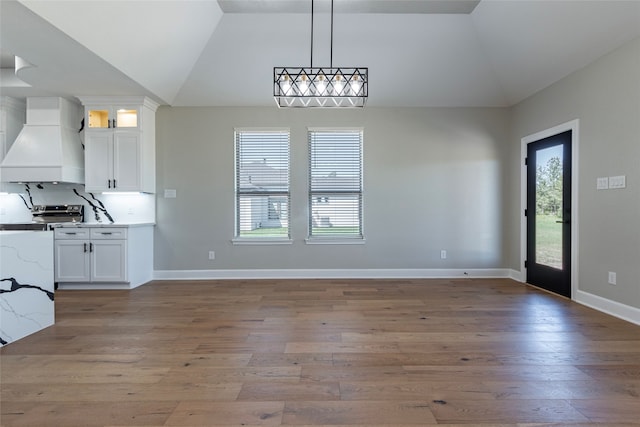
(48, 149)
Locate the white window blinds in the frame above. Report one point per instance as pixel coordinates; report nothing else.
(335, 183)
(262, 183)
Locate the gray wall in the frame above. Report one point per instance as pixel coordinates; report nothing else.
(434, 178)
(605, 97)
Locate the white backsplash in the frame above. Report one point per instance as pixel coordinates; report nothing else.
(124, 208)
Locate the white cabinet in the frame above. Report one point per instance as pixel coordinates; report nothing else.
(113, 162)
(103, 257)
(12, 119)
(112, 116)
(72, 261)
(91, 255)
(119, 144)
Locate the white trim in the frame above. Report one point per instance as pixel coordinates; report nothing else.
(336, 129)
(94, 286)
(263, 129)
(391, 273)
(622, 311)
(573, 126)
(334, 241)
(516, 275)
(261, 241)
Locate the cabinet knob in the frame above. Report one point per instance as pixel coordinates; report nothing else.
(85, 247)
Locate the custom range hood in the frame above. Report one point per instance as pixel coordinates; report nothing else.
(48, 149)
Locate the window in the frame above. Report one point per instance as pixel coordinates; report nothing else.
(262, 184)
(335, 184)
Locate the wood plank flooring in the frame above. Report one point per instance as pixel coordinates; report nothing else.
(323, 353)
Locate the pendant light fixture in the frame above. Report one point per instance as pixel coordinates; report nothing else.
(307, 87)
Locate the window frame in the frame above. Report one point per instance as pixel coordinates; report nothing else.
(259, 240)
(323, 196)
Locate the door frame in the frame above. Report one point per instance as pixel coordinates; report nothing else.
(573, 126)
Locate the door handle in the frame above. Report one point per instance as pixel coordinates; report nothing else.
(563, 222)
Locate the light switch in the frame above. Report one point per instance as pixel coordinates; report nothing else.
(169, 194)
(617, 181)
(602, 183)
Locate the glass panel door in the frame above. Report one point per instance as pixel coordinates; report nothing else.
(549, 213)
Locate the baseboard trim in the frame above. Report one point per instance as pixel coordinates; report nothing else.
(332, 274)
(516, 275)
(619, 310)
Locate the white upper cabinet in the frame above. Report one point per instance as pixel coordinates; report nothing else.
(13, 114)
(112, 117)
(120, 140)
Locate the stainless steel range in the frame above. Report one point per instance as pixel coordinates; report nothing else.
(45, 217)
(50, 214)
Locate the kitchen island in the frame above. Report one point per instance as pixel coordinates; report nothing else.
(26, 283)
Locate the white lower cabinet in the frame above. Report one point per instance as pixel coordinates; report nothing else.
(88, 257)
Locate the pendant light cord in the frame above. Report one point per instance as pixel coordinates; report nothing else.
(331, 48)
(331, 57)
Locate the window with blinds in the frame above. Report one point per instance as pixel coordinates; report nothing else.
(262, 183)
(335, 183)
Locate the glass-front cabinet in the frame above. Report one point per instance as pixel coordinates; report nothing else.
(119, 143)
(113, 117)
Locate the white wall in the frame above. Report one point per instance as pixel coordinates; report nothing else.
(433, 179)
(605, 97)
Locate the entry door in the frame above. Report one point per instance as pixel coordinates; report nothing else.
(548, 212)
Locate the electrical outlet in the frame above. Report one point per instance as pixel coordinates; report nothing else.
(443, 254)
(612, 278)
(212, 255)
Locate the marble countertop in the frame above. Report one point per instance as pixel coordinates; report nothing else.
(97, 224)
(13, 232)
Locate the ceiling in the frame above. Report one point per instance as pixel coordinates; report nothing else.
(445, 53)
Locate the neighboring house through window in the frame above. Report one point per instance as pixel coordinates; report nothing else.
(335, 184)
(262, 183)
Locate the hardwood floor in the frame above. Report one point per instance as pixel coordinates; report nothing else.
(323, 352)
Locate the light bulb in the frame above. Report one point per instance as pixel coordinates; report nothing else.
(304, 86)
(321, 86)
(286, 86)
(338, 85)
(355, 85)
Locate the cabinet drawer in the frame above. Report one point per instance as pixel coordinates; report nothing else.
(64, 233)
(108, 233)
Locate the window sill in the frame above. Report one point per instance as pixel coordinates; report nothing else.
(334, 241)
(261, 241)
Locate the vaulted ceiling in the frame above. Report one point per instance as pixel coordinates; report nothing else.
(450, 53)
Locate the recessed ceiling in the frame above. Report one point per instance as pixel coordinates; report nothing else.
(221, 53)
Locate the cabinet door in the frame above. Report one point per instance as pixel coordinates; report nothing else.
(99, 117)
(108, 261)
(98, 166)
(127, 117)
(126, 163)
(72, 261)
